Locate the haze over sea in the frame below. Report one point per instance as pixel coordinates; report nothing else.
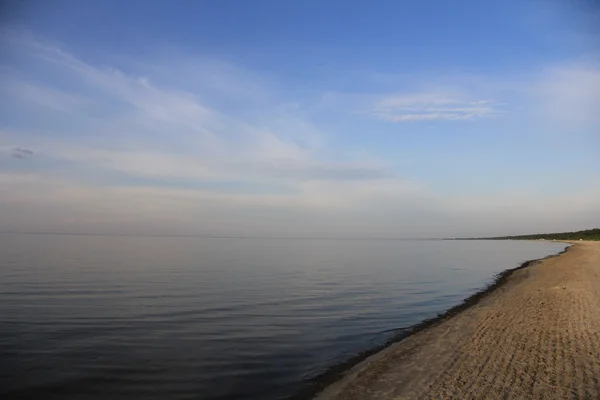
(126, 317)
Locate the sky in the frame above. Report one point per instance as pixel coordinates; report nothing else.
(396, 119)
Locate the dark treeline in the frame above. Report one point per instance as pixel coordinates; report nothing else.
(590, 234)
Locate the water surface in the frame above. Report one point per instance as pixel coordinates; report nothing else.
(100, 317)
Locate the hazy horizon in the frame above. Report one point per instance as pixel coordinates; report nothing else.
(200, 236)
(264, 119)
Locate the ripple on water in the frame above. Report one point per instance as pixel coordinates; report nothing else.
(104, 317)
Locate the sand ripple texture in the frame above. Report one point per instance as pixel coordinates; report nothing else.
(536, 337)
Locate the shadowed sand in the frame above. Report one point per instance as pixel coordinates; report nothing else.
(535, 337)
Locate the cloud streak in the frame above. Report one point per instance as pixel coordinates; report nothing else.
(21, 154)
(140, 126)
(569, 95)
(200, 147)
(430, 107)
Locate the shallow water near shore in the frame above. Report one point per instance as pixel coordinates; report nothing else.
(178, 318)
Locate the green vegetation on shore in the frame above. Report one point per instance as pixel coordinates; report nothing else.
(590, 234)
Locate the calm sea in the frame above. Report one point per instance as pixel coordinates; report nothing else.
(97, 317)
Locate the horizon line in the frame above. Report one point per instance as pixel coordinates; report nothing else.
(221, 236)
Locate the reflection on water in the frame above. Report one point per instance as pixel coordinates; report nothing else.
(136, 317)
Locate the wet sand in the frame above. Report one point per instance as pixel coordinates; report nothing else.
(536, 336)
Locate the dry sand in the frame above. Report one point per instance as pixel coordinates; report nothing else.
(535, 337)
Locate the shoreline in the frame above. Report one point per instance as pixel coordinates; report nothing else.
(336, 374)
(533, 335)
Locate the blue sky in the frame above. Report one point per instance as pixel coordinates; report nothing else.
(270, 118)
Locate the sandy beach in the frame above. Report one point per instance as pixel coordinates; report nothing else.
(536, 336)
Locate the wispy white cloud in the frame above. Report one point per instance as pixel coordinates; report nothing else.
(44, 96)
(168, 149)
(145, 126)
(431, 106)
(568, 95)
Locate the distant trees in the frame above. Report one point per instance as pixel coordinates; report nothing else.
(590, 234)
